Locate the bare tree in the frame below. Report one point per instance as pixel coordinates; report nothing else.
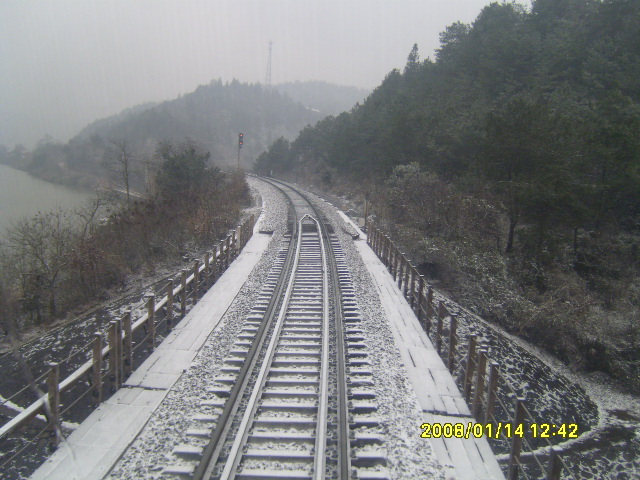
(120, 165)
(41, 248)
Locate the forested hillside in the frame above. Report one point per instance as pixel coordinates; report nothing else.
(213, 116)
(509, 167)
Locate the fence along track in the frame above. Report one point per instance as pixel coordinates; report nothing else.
(481, 390)
(119, 351)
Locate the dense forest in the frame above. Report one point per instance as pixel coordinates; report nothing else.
(213, 116)
(509, 168)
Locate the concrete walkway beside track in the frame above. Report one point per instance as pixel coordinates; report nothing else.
(92, 449)
(438, 395)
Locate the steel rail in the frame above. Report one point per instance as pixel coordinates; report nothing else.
(212, 450)
(235, 454)
(343, 438)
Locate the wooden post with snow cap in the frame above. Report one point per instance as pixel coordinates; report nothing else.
(207, 270)
(407, 273)
(387, 252)
(120, 341)
(128, 345)
(170, 288)
(383, 248)
(412, 286)
(96, 382)
(516, 441)
(453, 341)
(427, 321)
(420, 297)
(151, 321)
(214, 264)
(227, 261)
(492, 385)
(112, 335)
(375, 240)
(183, 292)
(441, 315)
(468, 373)
(53, 397)
(479, 386)
(402, 266)
(555, 465)
(196, 280)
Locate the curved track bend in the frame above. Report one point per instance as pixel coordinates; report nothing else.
(290, 409)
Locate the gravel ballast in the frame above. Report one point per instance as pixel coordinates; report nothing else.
(168, 430)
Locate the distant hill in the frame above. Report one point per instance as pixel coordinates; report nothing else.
(213, 115)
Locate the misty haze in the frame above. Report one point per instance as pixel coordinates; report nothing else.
(320, 239)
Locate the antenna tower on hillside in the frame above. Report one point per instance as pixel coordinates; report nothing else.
(267, 80)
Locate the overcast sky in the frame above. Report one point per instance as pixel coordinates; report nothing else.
(65, 63)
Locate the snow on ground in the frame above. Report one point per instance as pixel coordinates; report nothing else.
(408, 455)
(167, 428)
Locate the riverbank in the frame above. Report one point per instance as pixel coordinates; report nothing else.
(23, 195)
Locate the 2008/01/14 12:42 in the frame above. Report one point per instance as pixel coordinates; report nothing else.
(477, 430)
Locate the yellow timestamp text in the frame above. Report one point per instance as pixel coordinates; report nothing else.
(495, 430)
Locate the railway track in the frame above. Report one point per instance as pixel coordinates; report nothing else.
(294, 398)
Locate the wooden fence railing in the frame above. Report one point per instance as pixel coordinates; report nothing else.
(478, 376)
(119, 349)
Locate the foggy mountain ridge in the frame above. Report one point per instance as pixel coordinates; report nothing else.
(212, 115)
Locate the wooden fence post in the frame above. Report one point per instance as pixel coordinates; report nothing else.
(120, 341)
(427, 320)
(401, 267)
(128, 344)
(479, 386)
(555, 465)
(112, 334)
(227, 262)
(453, 340)
(183, 294)
(53, 396)
(468, 374)
(97, 369)
(441, 314)
(196, 280)
(406, 277)
(214, 265)
(412, 286)
(516, 443)
(387, 252)
(170, 288)
(420, 297)
(492, 385)
(151, 321)
(206, 280)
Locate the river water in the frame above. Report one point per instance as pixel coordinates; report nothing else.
(22, 195)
